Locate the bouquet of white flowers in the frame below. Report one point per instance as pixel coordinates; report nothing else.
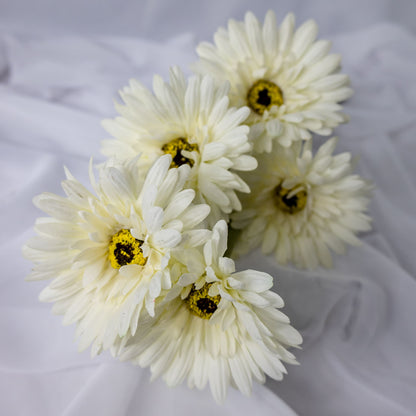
(142, 262)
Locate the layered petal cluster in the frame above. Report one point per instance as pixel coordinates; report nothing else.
(287, 77)
(108, 252)
(192, 121)
(217, 326)
(303, 205)
(138, 263)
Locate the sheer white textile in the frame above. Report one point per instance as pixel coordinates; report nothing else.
(357, 320)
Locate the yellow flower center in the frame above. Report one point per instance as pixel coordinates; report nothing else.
(200, 303)
(175, 147)
(290, 202)
(125, 249)
(263, 95)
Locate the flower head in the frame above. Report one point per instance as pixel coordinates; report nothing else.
(108, 252)
(191, 121)
(216, 326)
(286, 77)
(303, 205)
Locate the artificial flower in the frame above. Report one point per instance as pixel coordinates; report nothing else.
(288, 78)
(302, 206)
(216, 326)
(193, 122)
(108, 253)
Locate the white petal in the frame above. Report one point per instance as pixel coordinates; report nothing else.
(254, 280)
(167, 238)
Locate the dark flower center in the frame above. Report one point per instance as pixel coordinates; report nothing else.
(263, 95)
(290, 202)
(124, 249)
(175, 147)
(200, 303)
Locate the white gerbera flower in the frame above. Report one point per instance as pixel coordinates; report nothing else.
(219, 326)
(192, 122)
(108, 254)
(303, 205)
(286, 77)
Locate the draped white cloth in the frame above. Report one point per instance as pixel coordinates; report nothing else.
(358, 356)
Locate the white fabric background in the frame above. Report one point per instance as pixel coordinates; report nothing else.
(358, 357)
(160, 19)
